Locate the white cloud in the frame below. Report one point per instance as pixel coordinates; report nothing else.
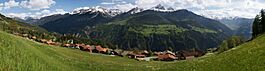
(112, 2)
(37, 4)
(1, 6)
(122, 2)
(10, 3)
(147, 3)
(124, 7)
(208, 8)
(20, 15)
(46, 11)
(60, 11)
(107, 3)
(37, 15)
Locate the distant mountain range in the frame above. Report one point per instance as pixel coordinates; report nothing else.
(80, 19)
(240, 26)
(84, 18)
(157, 29)
(28, 20)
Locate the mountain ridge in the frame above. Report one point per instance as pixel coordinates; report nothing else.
(146, 31)
(149, 27)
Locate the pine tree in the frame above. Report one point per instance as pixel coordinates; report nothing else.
(259, 24)
(262, 22)
(255, 27)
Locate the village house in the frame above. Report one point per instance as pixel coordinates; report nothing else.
(84, 47)
(166, 56)
(43, 40)
(142, 52)
(69, 45)
(135, 56)
(50, 42)
(79, 46)
(100, 49)
(25, 35)
(33, 37)
(89, 48)
(187, 55)
(120, 52)
(66, 45)
(117, 52)
(139, 55)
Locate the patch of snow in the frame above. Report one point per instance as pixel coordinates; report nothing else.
(136, 10)
(97, 9)
(161, 8)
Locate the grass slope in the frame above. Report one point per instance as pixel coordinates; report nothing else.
(19, 54)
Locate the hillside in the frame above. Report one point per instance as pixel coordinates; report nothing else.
(19, 54)
(10, 25)
(159, 31)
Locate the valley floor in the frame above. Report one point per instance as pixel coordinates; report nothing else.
(19, 54)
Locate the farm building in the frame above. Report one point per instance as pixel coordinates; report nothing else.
(100, 49)
(166, 56)
(186, 55)
(135, 56)
(87, 48)
(50, 42)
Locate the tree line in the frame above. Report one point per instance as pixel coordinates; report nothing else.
(259, 24)
(230, 43)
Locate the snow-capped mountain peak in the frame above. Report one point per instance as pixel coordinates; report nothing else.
(136, 10)
(159, 7)
(89, 9)
(111, 12)
(162, 8)
(170, 8)
(114, 12)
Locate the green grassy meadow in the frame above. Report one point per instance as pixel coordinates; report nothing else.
(147, 30)
(19, 54)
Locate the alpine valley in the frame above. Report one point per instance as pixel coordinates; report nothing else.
(132, 35)
(239, 26)
(156, 29)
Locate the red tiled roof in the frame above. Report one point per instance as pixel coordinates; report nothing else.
(100, 49)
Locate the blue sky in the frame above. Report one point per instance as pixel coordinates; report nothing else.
(60, 4)
(208, 8)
